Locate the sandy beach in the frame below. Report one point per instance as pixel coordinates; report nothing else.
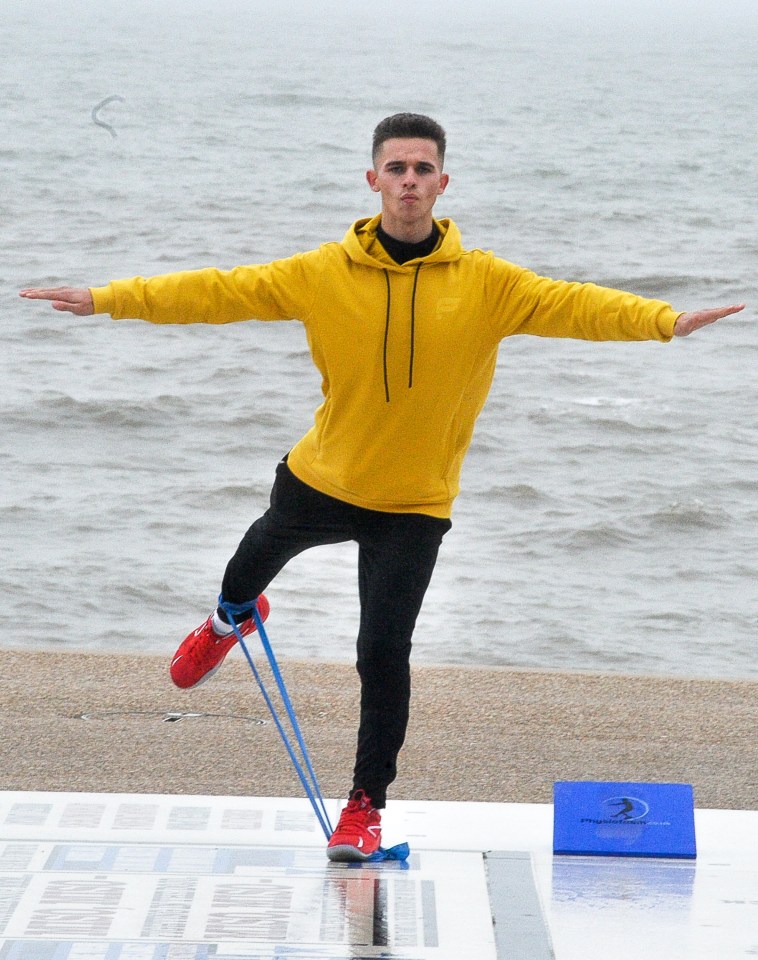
(93, 722)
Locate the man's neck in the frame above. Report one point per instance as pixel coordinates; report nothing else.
(402, 251)
(408, 232)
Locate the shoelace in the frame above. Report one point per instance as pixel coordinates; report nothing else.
(357, 817)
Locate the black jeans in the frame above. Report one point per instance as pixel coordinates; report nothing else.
(396, 556)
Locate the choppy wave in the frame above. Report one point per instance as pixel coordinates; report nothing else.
(659, 286)
(694, 514)
(61, 411)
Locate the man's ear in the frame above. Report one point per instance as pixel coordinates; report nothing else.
(444, 181)
(371, 176)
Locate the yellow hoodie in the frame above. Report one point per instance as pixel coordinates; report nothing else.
(406, 352)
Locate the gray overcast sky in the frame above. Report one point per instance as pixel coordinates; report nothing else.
(737, 19)
(686, 13)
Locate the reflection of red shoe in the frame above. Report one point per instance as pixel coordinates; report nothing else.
(203, 651)
(359, 831)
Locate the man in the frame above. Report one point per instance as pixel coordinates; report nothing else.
(404, 326)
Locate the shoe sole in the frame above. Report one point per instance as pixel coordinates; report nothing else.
(344, 853)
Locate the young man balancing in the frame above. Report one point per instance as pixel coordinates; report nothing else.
(404, 326)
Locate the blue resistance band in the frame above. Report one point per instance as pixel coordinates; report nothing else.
(309, 781)
(307, 777)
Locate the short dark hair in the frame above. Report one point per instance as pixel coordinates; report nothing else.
(406, 125)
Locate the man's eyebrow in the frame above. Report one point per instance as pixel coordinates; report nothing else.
(420, 164)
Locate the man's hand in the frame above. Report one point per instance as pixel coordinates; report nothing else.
(72, 299)
(689, 322)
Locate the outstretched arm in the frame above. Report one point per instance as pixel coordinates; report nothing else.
(72, 299)
(280, 290)
(79, 301)
(689, 322)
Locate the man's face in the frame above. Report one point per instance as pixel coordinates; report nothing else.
(409, 176)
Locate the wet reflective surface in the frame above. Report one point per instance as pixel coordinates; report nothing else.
(133, 877)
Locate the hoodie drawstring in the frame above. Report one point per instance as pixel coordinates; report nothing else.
(387, 331)
(386, 337)
(413, 324)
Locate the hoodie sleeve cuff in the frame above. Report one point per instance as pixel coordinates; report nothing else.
(102, 299)
(668, 322)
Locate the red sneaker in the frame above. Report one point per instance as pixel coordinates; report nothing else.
(203, 651)
(359, 831)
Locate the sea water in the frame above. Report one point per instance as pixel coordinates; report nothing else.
(609, 506)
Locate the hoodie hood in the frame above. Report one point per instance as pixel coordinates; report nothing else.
(362, 246)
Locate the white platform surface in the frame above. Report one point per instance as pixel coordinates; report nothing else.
(155, 877)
